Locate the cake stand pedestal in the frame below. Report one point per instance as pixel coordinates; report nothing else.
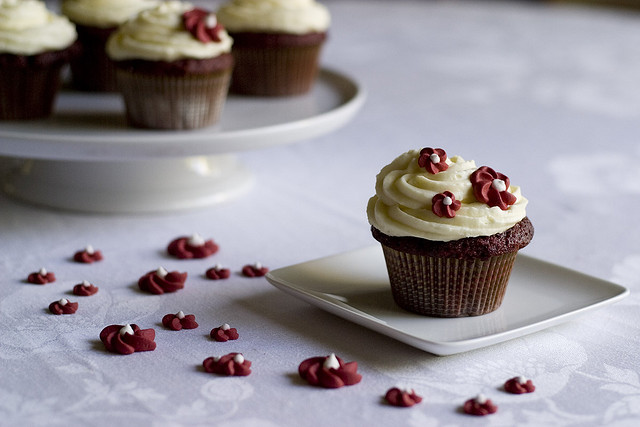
(86, 158)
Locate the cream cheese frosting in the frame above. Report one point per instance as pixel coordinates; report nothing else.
(402, 205)
(158, 34)
(286, 16)
(27, 27)
(104, 13)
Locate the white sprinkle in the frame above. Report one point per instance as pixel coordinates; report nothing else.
(225, 327)
(238, 358)
(89, 249)
(211, 20)
(43, 271)
(434, 158)
(331, 362)
(447, 201)
(499, 184)
(216, 358)
(86, 284)
(481, 399)
(217, 267)
(196, 240)
(126, 329)
(161, 272)
(63, 301)
(180, 315)
(257, 265)
(521, 380)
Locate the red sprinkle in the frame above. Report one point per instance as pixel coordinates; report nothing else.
(156, 283)
(402, 398)
(479, 406)
(196, 22)
(224, 333)
(519, 385)
(218, 273)
(41, 277)
(232, 364)
(321, 372)
(179, 321)
(426, 160)
(116, 340)
(85, 289)
(63, 306)
(87, 256)
(255, 270)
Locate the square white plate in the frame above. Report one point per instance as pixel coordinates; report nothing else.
(355, 286)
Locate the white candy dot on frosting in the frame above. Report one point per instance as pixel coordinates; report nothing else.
(331, 362)
(238, 358)
(217, 267)
(180, 314)
(63, 301)
(257, 265)
(521, 379)
(161, 272)
(212, 21)
(89, 249)
(447, 201)
(225, 327)
(43, 271)
(434, 158)
(86, 284)
(499, 184)
(126, 329)
(481, 399)
(196, 240)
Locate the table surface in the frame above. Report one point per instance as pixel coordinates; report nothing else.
(546, 93)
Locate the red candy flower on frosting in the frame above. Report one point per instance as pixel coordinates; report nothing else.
(224, 333)
(179, 321)
(161, 281)
(88, 255)
(519, 385)
(202, 24)
(445, 204)
(479, 405)
(127, 339)
(41, 277)
(232, 364)
(329, 372)
(433, 160)
(63, 306)
(402, 398)
(491, 187)
(192, 247)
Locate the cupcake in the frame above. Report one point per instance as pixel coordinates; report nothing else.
(95, 21)
(173, 66)
(277, 44)
(450, 232)
(35, 45)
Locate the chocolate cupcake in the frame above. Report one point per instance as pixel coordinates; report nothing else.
(173, 66)
(277, 45)
(96, 20)
(450, 232)
(35, 45)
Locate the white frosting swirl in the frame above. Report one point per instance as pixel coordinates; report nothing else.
(158, 34)
(402, 204)
(27, 27)
(104, 13)
(286, 16)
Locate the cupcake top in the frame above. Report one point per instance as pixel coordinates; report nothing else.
(27, 27)
(425, 194)
(104, 13)
(279, 16)
(171, 31)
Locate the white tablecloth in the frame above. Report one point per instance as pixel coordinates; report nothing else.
(547, 94)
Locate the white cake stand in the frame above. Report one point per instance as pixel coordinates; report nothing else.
(86, 158)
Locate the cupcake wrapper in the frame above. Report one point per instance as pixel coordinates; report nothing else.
(275, 71)
(28, 93)
(173, 102)
(448, 287)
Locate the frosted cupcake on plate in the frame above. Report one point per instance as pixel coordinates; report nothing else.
(173, 66)
(277, 44)
(35, 45)
(449, 230)
(95, 21)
